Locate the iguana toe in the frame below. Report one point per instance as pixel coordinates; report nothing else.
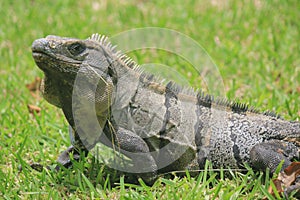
(64, 158)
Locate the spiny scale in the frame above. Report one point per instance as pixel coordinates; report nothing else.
(102, 39)
(104, 42)
(206, 99)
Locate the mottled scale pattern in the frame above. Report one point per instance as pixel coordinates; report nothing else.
(175, 128)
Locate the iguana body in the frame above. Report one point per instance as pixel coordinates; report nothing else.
(169, 128)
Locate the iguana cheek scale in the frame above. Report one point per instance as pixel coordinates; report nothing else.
(160, 127)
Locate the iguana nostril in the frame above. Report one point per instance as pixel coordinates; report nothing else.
(39, 45)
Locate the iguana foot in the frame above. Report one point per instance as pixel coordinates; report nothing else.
(292, 188)
(270, 154)
(64, 158)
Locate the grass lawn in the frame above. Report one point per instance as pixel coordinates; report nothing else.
(254, 44)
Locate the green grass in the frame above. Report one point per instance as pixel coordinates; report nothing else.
(255, 44)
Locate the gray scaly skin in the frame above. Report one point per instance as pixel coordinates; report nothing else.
(173, 128)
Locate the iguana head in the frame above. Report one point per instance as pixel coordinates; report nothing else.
(65, 56)
(63, 59)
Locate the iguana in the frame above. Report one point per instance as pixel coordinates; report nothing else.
(160, 127)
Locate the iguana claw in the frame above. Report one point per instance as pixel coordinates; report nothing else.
(290, 189)
(64, 157)
(63, 160)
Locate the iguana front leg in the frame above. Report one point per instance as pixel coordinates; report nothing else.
(127, 143)
(64, 158)
(137, 150)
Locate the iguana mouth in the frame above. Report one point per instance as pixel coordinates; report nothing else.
(48, 62)
(39, 55)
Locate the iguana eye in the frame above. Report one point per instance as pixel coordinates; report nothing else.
(76, 48)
